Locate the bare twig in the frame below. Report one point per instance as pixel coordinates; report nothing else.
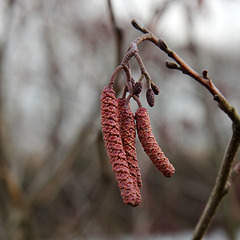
(118, 34)
(143, 69)
(226, 173)
(220, 189)
(205, 81)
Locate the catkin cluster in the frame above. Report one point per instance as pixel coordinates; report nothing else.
(119, 124)
(119, 131)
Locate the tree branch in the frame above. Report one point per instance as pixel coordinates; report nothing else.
(221, 187)
(226, 173)
(186, 69)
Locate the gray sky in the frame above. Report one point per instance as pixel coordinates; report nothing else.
(217, 23)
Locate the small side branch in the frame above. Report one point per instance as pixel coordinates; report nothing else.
(143, 69)
(202, 79)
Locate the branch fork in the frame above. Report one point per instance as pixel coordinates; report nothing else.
(227, 172)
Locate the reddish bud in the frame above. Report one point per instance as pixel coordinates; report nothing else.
(205, 74)
(150, 97)
(137, 88)
(155, 88)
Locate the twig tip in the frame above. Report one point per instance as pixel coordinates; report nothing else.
(139, 25)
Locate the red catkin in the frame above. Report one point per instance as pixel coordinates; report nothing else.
(114, 146)
(150, 145)
(128, 134)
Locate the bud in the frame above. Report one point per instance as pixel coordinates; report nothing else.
(137, 88)
(150, 97)
(155, 88)
(172, 65)
(163, 46)
(139, 25)
(205, 74)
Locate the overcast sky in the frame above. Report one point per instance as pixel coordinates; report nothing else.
(217, 22)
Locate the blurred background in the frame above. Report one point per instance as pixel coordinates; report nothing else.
(55, 58)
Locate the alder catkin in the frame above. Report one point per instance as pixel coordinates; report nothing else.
(114, 146)
(128, 134)
(150, 145)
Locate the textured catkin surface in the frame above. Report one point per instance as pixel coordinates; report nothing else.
(114, 146)
(128, 134)
(150, 145)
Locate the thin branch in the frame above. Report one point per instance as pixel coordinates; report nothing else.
(114, 75)
(118, 34)
(226, 174)
(142, 67)
(219, 190)
(203, 80)
(137, 100)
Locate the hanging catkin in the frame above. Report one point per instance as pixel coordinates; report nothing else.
(128, 134)
(114, 146)
(150, 145)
